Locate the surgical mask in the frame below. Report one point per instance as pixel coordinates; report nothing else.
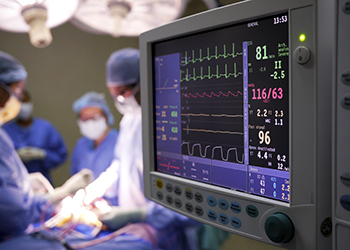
(10, 110)
(26, 111)
(128, 105)
(93, 129)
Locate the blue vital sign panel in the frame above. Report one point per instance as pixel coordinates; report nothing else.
(222, 107)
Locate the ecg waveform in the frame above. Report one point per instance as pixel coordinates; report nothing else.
(213, 131)
(208, 57)
(212, 94)
(217, 75)
(213, 115)
(212, 151)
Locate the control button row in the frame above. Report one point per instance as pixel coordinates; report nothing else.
(235, 207)
(224, 219)
(211, 214)
(198, 197)
(178, 203)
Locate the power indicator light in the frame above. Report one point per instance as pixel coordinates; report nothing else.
(302, 38)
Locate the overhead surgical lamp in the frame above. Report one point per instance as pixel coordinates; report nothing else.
(125, 17)
(35, 17)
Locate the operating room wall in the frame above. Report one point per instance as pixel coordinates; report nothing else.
(69, 67)
(59, 74)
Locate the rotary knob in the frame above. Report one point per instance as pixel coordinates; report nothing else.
(279, 228)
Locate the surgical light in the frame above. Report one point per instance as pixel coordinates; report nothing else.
(35, 17)
(125, 17)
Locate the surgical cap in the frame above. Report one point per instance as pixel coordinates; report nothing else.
(123, 67)
(93, 99)
(11, 70)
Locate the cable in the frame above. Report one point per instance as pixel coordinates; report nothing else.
(127, 229)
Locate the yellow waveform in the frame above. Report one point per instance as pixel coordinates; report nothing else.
(191, 114)
(213, 131)
(227, 115)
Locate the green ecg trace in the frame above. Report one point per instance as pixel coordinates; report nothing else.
(217, 75)
(209, 57)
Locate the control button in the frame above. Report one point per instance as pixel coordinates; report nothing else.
(159, 183)
(252, 211)
(345, 77)
(345, 101)
(279, 228)
(346, 7)
(169, 187)
(302, 54)
(211, 201)
(178, 203)
(211, 215)
(223, 204)
(177, 190)
(345, 178)
(198, 197)
(160, 195)
(169, 199)
(235, 207)
(235, 222)
(189, 207)
(223, 218)
(189, 194)
(199, 210)
(345, 202)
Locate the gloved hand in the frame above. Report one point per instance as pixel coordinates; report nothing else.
(99, 186)
(119, 216)
(40, 184)
(78, 181)
(31, 153)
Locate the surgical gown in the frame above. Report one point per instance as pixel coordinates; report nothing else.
(41, 134)
(18, 206)
(96, 159)
(174, 231)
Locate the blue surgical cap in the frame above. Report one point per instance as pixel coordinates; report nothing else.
(123, 67)
(93, 99)
(11, 70)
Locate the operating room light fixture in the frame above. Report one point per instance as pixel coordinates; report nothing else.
(35, 17)
(125, 17)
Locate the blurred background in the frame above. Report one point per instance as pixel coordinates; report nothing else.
(73, 64)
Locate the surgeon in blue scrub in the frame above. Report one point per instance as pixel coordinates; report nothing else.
(38, 143)
(95, 150)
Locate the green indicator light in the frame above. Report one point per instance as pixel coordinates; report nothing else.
(302, 38)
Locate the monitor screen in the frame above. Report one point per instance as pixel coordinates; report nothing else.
(222, 106)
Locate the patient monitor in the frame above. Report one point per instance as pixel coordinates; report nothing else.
(236, 106)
